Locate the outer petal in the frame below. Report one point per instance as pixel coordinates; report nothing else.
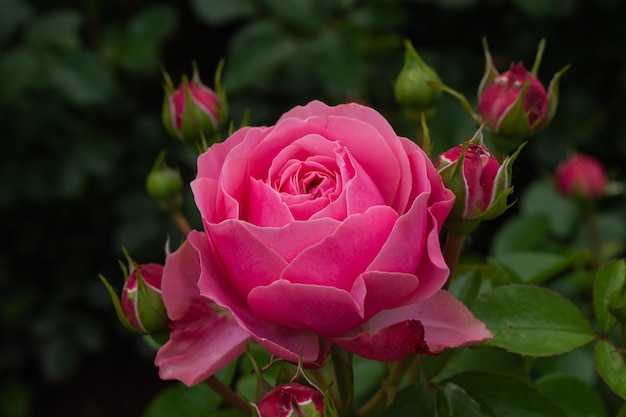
(446, 322)
(204, 338)
(285, 343)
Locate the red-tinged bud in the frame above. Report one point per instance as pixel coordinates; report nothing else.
(515, 105)
(480, 183)
(142, 303)
(581, 177)
(141, 308)
(292, 400)
(192, 111)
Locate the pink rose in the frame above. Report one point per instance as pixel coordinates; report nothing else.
(292, 400)
(321, 229)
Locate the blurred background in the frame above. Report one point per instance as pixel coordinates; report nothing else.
(80, 106)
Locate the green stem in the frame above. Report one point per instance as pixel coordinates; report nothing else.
(229, 395)
(181, 221)
(452, 251)
(593, 238)
(344, 377)
(386, 393)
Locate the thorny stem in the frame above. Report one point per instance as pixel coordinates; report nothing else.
(181, 222)
(229, 395)
(452, 251)
(386, 393)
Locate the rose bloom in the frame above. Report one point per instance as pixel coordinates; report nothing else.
(320, 230)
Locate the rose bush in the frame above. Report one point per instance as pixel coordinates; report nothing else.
(320, 230)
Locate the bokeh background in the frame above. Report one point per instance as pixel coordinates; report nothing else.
(80, 103)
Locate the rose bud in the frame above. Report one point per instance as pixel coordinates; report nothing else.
(480, 183)
(141, 299)
(581, 177)
(412, 88)
(194, 112)
(515, 104)
(292, 400)
(165, 184)
(140, 308)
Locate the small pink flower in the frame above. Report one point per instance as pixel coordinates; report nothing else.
(292, 400)
(581, 176)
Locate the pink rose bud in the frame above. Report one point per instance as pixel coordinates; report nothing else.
(480, 183)
(194, 112)
(515, 104)
(292, 400)
(582, 177)
(141, 302)
(412, 88)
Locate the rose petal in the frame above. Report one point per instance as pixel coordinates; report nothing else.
(285, 343)
(265, 206)
(216, 337)
(327, 311)
(375, 290)
(247, 262)
(341, 257)
(390, 344)
(446, 322)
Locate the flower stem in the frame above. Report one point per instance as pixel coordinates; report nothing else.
(229, 395)
(179, 219)
(593, 238)
(452, 251)
(342, 365)
(386, 393)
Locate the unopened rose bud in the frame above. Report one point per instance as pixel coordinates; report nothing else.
(192, 111)
(292, 400)
(142, 303)
(165, 185)
(480, 183)
(515, 104)
(581, 177)
(412, 88)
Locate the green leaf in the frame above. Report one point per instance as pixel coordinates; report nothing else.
(153, 23)
(532, 321)
(56, 29)
(300, 13)
(485, 359)
(182, 401)
(220, 12)
(610, 278)
(573, 395)
(542, 199)
(502, 395)
(459, 403)
(413, 401)
(611, 367)
(534, 267)
(465, 287)
(256, 52)
(520, 233)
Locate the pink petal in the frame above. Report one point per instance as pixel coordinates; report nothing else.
(293, 238)
(375, 291)
(390, 344)
(203, 339)
(285, 343)
(446, 323)
(247, 261)
(325, 310)
(265, 206)
(341, 257)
